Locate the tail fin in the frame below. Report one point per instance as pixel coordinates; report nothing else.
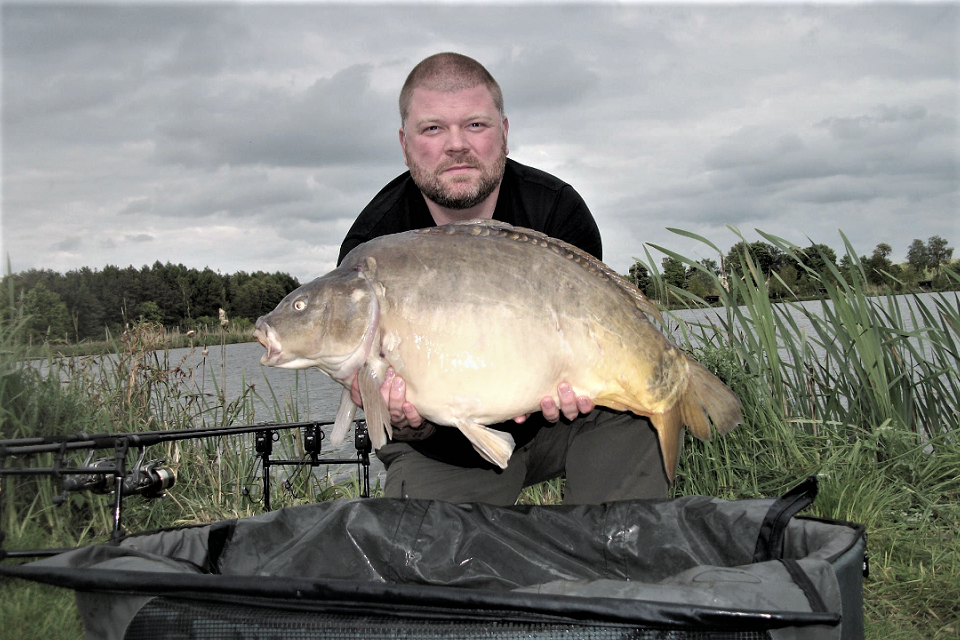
(705, 400)
(707, 397)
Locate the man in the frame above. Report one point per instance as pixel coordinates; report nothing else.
(453, 135)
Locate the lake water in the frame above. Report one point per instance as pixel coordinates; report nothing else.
(798, 312)
(301, 396)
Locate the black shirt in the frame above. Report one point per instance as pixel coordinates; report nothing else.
(528, 198)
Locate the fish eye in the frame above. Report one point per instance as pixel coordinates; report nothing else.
(299, 304)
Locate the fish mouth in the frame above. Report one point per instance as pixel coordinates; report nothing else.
(267, 337)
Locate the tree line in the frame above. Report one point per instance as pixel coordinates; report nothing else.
(787, 276)
(87, 304)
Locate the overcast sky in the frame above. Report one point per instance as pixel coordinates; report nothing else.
(249, 136)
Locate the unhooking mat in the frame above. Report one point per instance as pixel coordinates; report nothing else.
(692, 567)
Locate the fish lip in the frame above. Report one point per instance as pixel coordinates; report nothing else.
(267, 337)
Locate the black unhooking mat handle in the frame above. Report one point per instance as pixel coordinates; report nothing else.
(774, 525)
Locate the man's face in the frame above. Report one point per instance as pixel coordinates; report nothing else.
(455, 145)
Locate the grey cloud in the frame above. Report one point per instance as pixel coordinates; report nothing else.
(873, 148)
(757, 156)
(255, 195)
(137, 205)
(71, 243)
(891, 125)
(543, 79)
(330, 123)
(139, 237)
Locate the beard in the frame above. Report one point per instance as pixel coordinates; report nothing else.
(461, 192)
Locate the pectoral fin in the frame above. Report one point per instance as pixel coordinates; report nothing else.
(370, 378)
(495, 446)
(345, 415)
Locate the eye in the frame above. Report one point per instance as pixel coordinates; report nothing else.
(299, 304)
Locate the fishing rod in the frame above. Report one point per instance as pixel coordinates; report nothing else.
(52, 444)
(151, 479)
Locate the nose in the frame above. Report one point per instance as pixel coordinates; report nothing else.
(455, 141)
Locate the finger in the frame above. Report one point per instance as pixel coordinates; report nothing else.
(412, 415)
(521, 419)
(568, 401)
(398, 396)
(548, 407)
(585, 404)
(387, 384)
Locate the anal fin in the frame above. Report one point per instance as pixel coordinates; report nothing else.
(669, 426)
(495, 446)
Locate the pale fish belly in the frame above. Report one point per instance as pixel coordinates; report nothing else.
(488, 371)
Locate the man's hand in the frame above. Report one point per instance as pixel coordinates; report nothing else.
(570, 405)
(408, 424)
(406, 421)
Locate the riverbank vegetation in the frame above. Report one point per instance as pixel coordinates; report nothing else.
(860, 390)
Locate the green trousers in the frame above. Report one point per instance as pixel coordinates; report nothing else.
(604, 456)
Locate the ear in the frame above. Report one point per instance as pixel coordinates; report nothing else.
(403, 146)
(506, 128)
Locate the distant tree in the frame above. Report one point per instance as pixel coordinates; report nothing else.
(149, 311)
(46, 314)
(766, 257)
(938, 253)
(702, 283)
(933, 255)
(120, 295)
(640, 276)
(917, 256)
(674, 272)
(86, 310)
(847, 266)
(785, 284)
(257, 296)
(817, 256)
(156, 289)
(878, 265)
(710, 265)
(209, 293)
(285, 280)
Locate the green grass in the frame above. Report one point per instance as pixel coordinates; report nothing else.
(859, 393)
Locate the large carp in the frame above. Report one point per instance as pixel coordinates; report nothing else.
(483, 320)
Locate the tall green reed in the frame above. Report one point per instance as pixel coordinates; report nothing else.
(859, 389)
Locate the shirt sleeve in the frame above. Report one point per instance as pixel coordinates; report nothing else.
(573, 223)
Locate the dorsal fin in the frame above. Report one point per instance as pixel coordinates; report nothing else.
(580, 257)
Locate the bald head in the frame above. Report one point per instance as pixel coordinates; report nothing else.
(448, 72)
